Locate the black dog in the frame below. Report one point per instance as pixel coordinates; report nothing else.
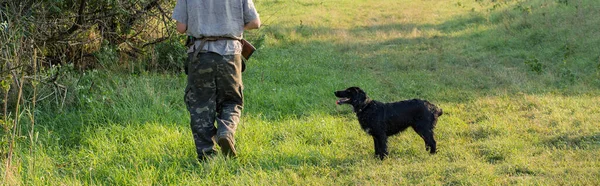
(381, 120)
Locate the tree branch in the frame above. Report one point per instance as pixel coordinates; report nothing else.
(79, 20)
(138, 14)
(155, 41)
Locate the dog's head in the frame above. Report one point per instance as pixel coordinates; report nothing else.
(353, 96)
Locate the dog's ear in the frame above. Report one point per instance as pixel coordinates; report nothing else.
(359, 96)
(357, 90)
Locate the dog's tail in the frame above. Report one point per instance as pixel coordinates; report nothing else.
(437, 111)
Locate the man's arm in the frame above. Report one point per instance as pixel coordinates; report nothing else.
(181, 27)
(254, 24)
(180, 15)
(251, 20)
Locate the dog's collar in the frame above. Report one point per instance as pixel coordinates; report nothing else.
(367, 103)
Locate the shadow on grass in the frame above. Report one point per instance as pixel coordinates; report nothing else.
(566, 141)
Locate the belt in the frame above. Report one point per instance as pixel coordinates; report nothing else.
(203, 41)
(247, 48)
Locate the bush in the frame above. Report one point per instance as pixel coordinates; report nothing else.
(107, 56)
(170, 55)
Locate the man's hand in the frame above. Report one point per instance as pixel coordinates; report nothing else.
(181, 27)
(254, 24)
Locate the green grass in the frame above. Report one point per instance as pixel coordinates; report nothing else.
(505, 121)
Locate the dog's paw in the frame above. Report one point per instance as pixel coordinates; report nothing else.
(381, 156)
(431, 151)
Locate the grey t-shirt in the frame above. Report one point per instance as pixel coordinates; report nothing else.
(216, 18)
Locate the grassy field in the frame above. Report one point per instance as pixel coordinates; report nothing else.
(518, 81)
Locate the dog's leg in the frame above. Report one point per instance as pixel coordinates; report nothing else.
(376, 144)
(430, 141)
(380, 146)
(427, 134)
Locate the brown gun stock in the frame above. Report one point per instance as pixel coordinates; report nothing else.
(247, 49)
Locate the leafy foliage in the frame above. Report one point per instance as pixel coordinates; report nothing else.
(69, 31)
(171, 55)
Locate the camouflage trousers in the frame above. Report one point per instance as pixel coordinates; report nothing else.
(213, 93)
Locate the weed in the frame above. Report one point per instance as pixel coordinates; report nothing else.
(565, 2)
(567, 76)
(107, 56)
(598, 66)
(535, 65)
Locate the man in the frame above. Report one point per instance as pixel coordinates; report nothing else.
(214, 68)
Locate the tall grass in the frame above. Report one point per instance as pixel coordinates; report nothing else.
(518, 84)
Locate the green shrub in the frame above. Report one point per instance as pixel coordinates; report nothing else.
(107, 56)
(170, 55)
